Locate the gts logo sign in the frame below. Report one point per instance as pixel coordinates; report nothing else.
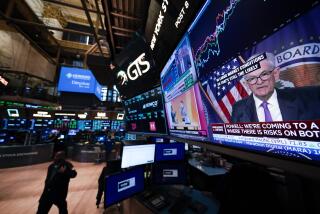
(136, 69)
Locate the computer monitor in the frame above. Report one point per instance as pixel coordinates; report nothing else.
(101, 138)
(123, 185)
(130, 136)
(72, 132)
(170, 151)
(169, 173)
(61, 136)
(137, 155)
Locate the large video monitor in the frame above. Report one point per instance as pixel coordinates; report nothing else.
(76, 80)
(137, 155)
(84, 125)
(145, 113)
(260, 91)
(65, 123)
(123, 185)
(98, 125)
(169, 151)
(16, 123)
(186, 116)
(42, 124)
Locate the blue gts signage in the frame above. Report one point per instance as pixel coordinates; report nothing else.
(76, 80)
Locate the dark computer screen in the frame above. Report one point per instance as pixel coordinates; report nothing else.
(169, 173)
(123, 185)
(170, 151)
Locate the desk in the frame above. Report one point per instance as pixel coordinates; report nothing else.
(173, 193)
(87, 153)
(206, 178)
(210, 171)
(13, 156)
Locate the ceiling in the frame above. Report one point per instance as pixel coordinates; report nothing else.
(46, 22)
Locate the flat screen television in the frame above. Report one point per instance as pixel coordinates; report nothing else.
(84, 124)
(65, 123)
(186, 116)
(169, 151)
(145, 113)
(123, 185)
(117, 125)
(76, 80)
(259, 92)
(169, 173)
(101, 138)
(137, 155)
(72, 132)
(129, 136)
(98, 125)
(42, 124)
(17, 124)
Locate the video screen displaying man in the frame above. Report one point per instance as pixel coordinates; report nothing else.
(267, 103)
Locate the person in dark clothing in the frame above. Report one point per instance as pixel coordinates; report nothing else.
(56, 185)
(111, 167)
(101, 185)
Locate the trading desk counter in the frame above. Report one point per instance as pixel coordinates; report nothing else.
(174, 199)
(14, 156)
(88, 153)
(208, 170)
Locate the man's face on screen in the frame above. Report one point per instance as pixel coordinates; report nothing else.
(262, 81)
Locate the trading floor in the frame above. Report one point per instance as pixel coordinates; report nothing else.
(160, 106)
(21, 187)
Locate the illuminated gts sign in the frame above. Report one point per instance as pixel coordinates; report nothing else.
(135, 69)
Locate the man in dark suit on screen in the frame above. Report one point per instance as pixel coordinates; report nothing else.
(267, 104)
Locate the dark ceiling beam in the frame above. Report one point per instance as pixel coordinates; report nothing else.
(99, 14)
(123, 29)
(126, 16)
(91, 25)
(122, 35)
(23, 22)
(107, 15)
(72, 6)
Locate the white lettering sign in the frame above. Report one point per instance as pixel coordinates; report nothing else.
(134, 70)
(159, 23)
(182, 13)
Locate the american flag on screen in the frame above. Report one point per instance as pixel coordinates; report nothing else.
(224, 96)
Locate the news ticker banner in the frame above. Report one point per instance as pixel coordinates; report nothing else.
(300, 139)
